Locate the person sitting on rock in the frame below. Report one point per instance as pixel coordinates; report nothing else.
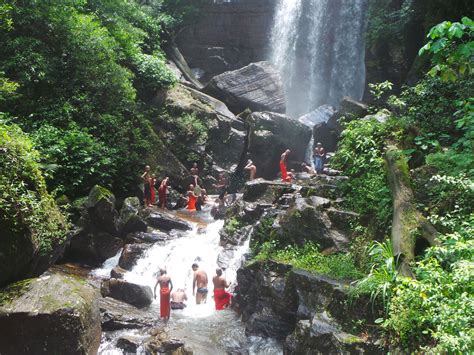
(166, 286)
(252, 169)
(192, 198)
(146, 187)
(308, 168)
(222, 298)
(162, 193)
(319, 154)
(177, 299)
(218, 209)
(283, 165)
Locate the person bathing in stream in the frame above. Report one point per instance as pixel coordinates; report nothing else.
(222, 186)
(192, 198)
(162, 193)
(166, 286)
(252, 169)
(221, 297)
(146, 186)
(201, 200)
(199, 282)
(283, 165)
(177, 299)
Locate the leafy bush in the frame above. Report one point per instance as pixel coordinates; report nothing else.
(74, 159)
(26, 208)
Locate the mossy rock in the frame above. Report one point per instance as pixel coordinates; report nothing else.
(53, 314)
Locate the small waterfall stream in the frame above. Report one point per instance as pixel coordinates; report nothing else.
(201, 327)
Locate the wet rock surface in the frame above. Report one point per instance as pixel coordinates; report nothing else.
(270, 134)
(167, 222)
(131, 253)
(34, 320)
(116, 315)
(257, 87)
(136, 295)
(310, 312)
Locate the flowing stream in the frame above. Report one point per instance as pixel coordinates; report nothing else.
(318, 46)
(203, 329)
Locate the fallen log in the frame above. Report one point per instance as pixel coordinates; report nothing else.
(408, 223)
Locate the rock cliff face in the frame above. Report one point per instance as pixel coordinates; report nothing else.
(228, 36)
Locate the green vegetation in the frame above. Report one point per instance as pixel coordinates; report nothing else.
(77, 76)
(308, 257)
(232, 226)
(26, 208)
(433, 123)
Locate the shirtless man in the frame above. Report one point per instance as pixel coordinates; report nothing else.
(222, 185)
(166, 286)
(177, 299)
(199, 282)
(221, 297)
(283, 164)
(146, 186)
(195, 174)
(252, 169)
(319, 154)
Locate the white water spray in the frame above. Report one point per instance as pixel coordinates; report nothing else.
(318, 46)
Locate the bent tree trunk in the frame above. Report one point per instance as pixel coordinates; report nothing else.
(408, 223)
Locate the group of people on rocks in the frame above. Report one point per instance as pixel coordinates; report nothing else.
(196, 196)
(176, 300)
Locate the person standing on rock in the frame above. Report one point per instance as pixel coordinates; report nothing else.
(146, 186)
(166, 286)
(222, 186)
(162, 192)
(252, 169)
(200, 282)
(283, 165)
(222, 298)
(152, 182)
(319, 155)
(195, 174)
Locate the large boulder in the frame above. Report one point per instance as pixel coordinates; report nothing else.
(270, 135)
(100, 205)
(222, 129)
(136, 295)
(307, 221)
(167, 222)
(53, 314)
(130, 255)
(129, 220)
(265, 191)
(257, 86)
(117, 315)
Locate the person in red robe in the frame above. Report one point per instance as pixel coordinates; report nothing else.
(283, 162)
(192, 198)
(222, 298)
(162, 190)
(166, 286)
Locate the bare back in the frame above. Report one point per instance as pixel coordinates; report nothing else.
(219, 282)
(200, 277)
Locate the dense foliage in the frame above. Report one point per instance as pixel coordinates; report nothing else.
(433, 123)
(83, 71)
(26, 208)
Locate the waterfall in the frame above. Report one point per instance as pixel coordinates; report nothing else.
(204, 329)
(318, 46)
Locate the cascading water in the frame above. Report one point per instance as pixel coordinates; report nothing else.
(204, 330)
(318, 46)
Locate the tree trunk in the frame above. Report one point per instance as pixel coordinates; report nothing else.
(408, 223)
